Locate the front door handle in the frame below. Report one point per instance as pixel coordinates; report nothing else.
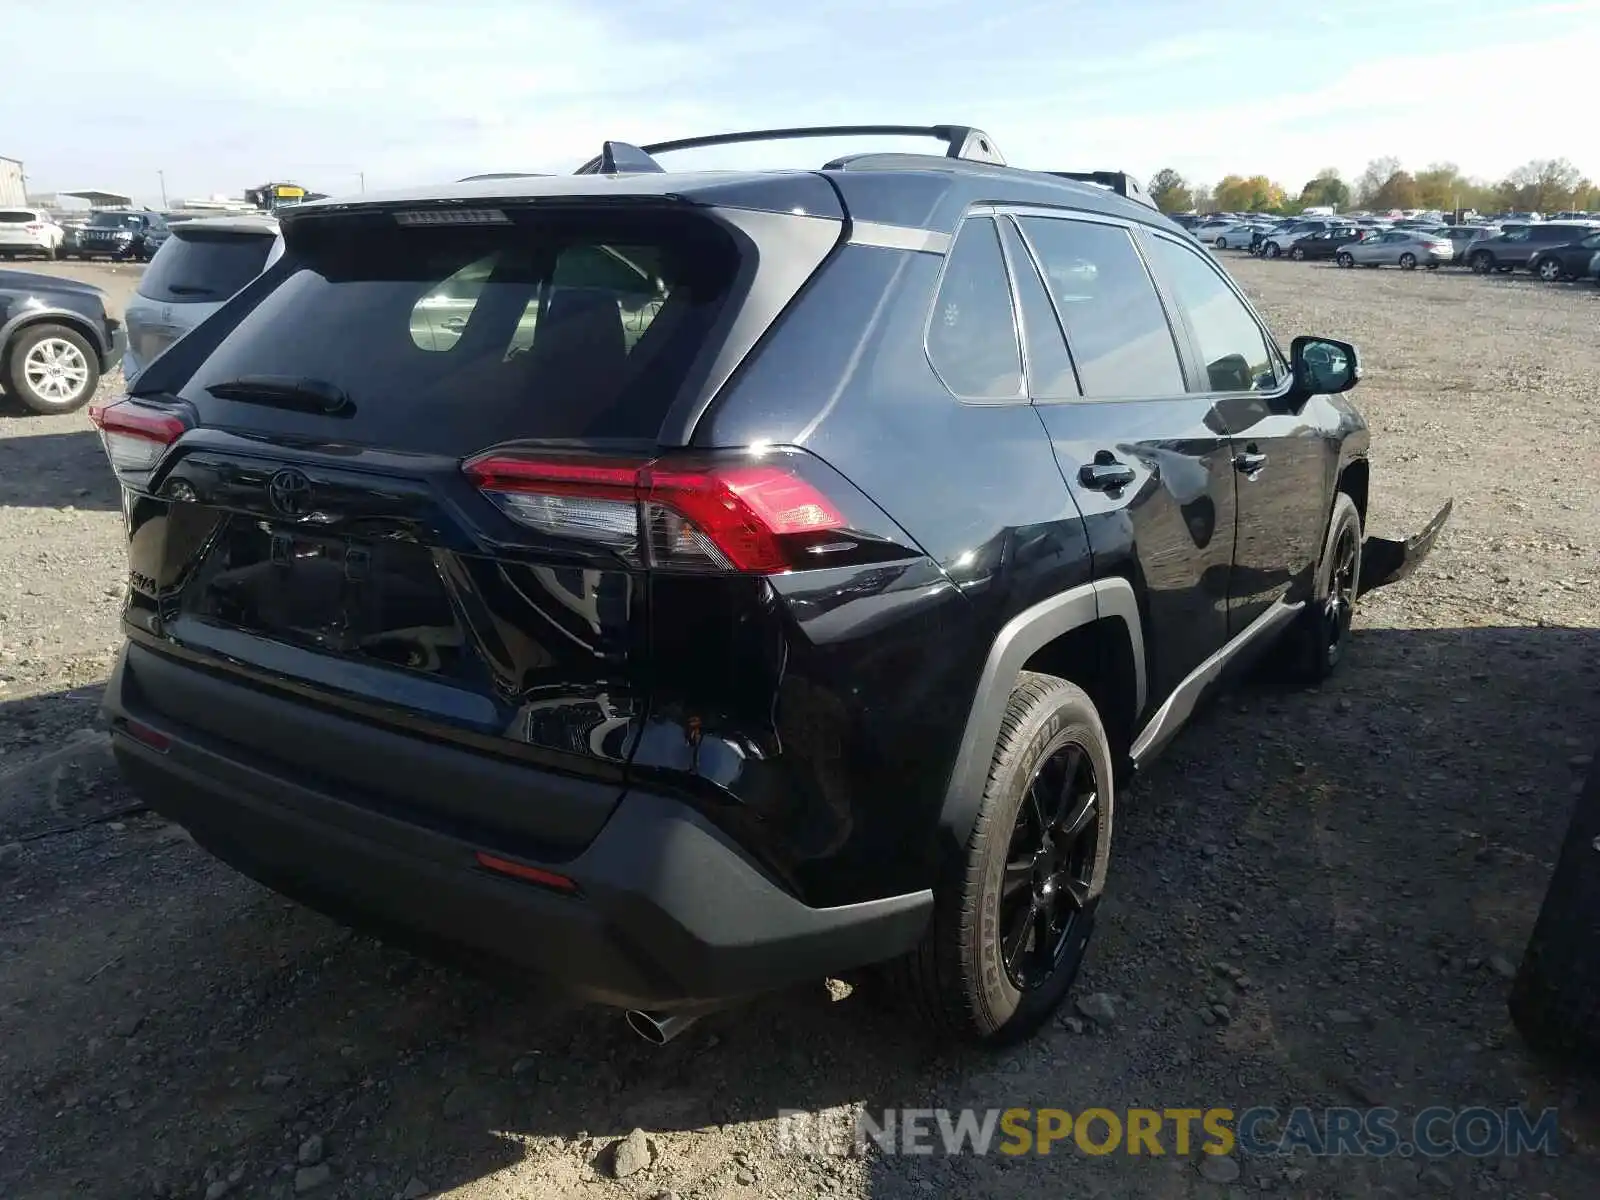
(1249, 462)
(1105, 474)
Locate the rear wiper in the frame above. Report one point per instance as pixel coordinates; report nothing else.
(189, 289)
(286, 391)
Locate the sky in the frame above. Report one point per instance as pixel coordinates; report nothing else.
(341, 95)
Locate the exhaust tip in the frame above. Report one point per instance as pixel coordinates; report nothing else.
(658, 1030)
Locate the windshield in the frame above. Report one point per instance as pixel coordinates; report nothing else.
(112, 220)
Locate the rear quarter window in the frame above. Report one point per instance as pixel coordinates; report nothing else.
(197, 266)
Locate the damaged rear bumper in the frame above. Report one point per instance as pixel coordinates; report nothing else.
(1385, 560)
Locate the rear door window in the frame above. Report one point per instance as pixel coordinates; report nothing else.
(972, 333)
(1050, 374)
(1116, 328)
(451, 338)
(204, 266)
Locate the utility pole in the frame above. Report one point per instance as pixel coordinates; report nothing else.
(362, 176)
(162, 175)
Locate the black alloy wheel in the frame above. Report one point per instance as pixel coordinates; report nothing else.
(1050, 864)
(1341, 602)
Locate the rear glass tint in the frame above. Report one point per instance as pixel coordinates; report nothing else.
(11, 216)
(451, 338)
(204, 266)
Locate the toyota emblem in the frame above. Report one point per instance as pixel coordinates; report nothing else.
(290, 492)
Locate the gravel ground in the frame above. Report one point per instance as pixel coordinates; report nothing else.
(1350, 873)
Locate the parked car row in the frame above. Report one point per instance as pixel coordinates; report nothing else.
(1552, 250)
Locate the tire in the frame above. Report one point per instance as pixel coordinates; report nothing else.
(961, 980)
(1549, 270)
(52, 368)
(1346, 259)
(1482, 262)
(1408, 261)
(1316, 643)
(1221, 243)
(1272, 250)
(1298, 254)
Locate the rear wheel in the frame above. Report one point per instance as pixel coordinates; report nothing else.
(53, 369)
(1298, 254)
(1316, 643)
(1549, 270)
(1273, 250)
(1482, 262)
(1408, 261)
(1012, 920)
(1346, 259)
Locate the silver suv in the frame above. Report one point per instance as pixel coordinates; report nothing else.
(200, 265)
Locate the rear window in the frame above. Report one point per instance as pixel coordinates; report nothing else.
(204, 266)
(451, 338)
(13, 216)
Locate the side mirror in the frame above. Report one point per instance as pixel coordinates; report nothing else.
(1323, 366)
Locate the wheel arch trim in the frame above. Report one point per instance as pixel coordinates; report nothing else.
(1023, 636)
(43, 316)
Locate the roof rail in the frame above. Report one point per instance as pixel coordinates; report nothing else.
(962, 141)
(1119, 182)
(502, 175)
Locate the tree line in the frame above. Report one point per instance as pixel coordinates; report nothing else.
(1543, 185)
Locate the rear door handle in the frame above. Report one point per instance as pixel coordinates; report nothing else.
(1249, 462)
(1105, 474)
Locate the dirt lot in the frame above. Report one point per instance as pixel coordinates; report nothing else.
(1369, 857)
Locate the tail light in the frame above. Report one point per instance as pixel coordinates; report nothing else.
(135, 435)
(696, 515)
(35, 228)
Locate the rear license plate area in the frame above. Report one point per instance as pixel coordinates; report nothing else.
(380, 599)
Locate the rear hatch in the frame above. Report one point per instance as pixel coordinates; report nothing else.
(414, 474)
(20, 227)
(196, 269)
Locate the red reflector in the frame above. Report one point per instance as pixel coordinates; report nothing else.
(143, 734)
(130, 419)
(516, 870)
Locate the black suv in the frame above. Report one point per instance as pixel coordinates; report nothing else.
(56, 340)
(684, 585)
(118, 234)
(1522, 246)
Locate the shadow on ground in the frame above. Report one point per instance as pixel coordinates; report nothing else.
(1363, 853)
(52, 470)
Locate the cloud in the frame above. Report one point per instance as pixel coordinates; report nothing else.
(414, 90)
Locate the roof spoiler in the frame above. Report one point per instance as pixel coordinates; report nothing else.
(1119, 182)
(961, 141)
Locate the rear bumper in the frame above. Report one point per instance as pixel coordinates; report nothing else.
(667, 913)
